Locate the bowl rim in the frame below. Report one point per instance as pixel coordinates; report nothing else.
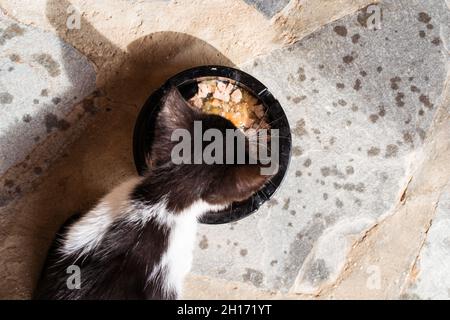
(148, 112)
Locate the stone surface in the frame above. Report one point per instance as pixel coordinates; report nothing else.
(360, 103)
(268, 7)
(431, 280)
(363, 210)
(42, 83)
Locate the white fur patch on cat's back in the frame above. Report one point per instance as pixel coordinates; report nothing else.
(178, 258)
(86, 233)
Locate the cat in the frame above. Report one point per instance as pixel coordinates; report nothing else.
(137, 242)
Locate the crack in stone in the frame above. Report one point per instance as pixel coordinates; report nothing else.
(414, 267)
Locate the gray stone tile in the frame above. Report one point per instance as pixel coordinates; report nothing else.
(268, 7)
(41, 81)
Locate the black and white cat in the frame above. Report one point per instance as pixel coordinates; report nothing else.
(137, 242)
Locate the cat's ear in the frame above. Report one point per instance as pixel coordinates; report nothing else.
(238, 183)
(175, 111)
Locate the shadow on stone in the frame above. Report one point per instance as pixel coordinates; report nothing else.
(102, 157)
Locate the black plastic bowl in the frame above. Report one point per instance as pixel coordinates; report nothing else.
(186, 82)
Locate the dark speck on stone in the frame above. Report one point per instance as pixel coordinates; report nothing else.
(373, 118)
(298, 173)
(203, 244)
(426, 101)
(422, 34)
(307, 163)
(51, 122)
(430, 26)
(299, 129)
(10, 32)
(357, 85)
(363, 73)
(325, 196)
(407, 137)
(339, 203)
(391, 151)
(373, 151)
(14, 57)
(48, 63)
(436, 41)
(382, 111)
(273, 262)
(340, 85)
(299, 99)
(348, 59)
(415, 89)
(253, 276)
(394, 83)
(325, 171)
(379, 69)
(6, 98)
(56, 100)
(349, 170)
(243, 252)
(44, 93)
(286, 204)
(293, 212)
(360, 187)
(36, 101)
(342, 102)
(301, 74)
(355, 38)
(341, 30)
(399, 99)
(297, 151)
(424, 17)
(27, 118)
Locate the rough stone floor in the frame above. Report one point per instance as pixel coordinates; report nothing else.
(364, 211)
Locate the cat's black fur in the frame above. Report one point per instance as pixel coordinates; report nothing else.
(120, 265)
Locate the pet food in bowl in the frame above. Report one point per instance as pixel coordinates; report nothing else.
(232, 102)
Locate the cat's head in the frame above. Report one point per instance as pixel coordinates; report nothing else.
(219, 183)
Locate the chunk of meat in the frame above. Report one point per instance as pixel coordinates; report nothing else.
(236, 96)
